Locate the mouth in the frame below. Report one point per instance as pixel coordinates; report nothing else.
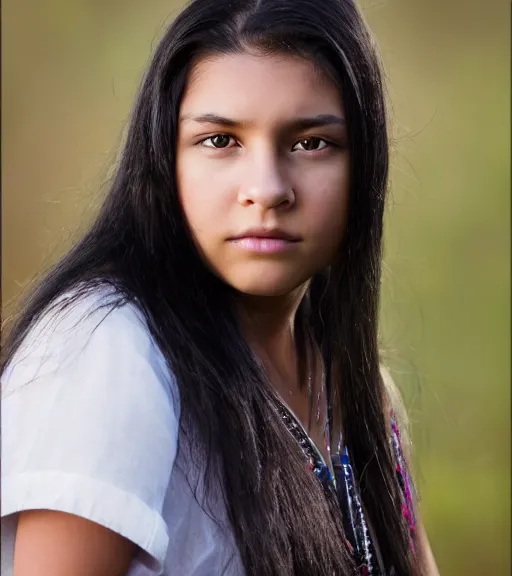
(265, 241)
(266, 234)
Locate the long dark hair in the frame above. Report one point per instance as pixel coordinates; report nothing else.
(140, 243)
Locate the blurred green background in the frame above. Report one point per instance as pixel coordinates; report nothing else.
(70, 71)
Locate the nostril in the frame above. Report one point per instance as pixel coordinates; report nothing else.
(267, 195)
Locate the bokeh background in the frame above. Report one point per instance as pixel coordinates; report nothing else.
(70, 72)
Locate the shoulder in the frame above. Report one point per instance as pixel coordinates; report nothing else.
(394, 407)
(92, 352)
(90, 419)
(95, 329)
(74, 317)
(399, 424)
(393, 398)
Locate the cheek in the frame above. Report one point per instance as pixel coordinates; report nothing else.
(200, 194)
(326, 206)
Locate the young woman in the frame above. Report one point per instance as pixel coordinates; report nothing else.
(195, 388)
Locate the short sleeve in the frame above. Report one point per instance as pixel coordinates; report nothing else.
(90, 422)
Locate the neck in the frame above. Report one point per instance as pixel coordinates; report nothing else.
(267, 323)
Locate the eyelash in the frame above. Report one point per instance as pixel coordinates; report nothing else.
(326, 142)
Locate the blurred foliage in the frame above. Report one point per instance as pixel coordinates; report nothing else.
(70, 72)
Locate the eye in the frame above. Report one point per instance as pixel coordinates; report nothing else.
(311, 144)
(217, 141)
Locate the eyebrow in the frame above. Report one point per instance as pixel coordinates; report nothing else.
(296, 123)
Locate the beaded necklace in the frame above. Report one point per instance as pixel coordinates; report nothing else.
(341, 487)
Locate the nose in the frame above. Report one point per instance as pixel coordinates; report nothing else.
(265, 183)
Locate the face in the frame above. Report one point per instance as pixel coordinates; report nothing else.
(263, 170)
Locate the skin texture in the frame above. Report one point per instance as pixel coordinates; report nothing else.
(59, 544)
(265, 176)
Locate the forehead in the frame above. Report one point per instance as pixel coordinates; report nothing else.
(261, 86)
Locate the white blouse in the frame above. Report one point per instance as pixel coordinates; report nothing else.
(89, 426)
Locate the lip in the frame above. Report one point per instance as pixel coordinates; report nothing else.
(265, 240)
(262, 245)
(266, 233)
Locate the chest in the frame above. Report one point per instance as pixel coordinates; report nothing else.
(312, 414)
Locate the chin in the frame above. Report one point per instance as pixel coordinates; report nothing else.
(263, 291)
(266, 279)
(266, 287)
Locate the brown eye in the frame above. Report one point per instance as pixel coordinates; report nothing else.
(311, 144)
(217, 141)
